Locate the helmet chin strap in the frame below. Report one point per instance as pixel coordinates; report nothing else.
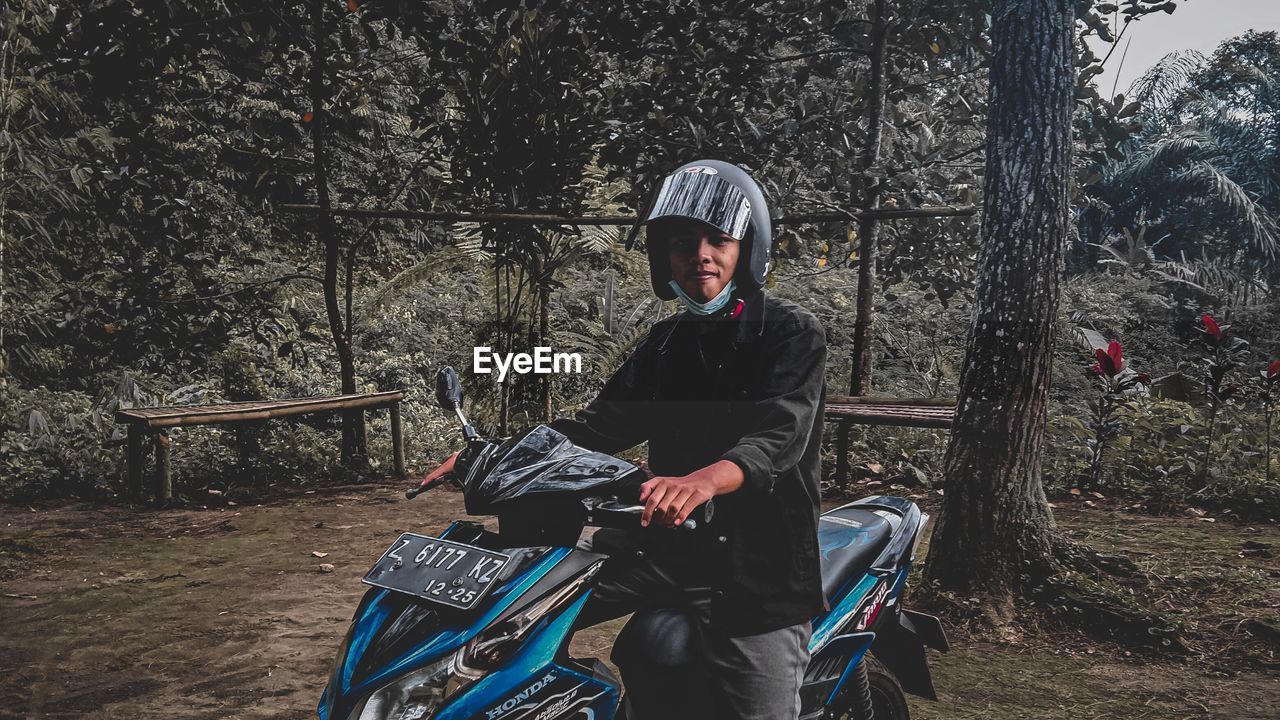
(713, 305)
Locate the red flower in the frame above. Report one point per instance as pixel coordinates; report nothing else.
(1111, 360)
(1273, 371)
(1211, 327)
(1095, 368)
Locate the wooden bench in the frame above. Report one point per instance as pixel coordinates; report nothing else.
(847, 411)
(157, 420)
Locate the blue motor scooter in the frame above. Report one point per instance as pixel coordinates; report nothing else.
(475, 625)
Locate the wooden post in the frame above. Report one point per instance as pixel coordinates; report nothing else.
(842, 453)
(164, 477)
(133, 461)
(397, 440)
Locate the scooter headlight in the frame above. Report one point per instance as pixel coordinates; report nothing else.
(412, 697)
(495, 645)
(420, 693)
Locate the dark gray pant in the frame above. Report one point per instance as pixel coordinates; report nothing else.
(755, 677)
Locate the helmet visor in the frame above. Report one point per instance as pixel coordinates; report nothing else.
(701, 194)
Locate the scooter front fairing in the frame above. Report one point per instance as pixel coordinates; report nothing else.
(405, 658)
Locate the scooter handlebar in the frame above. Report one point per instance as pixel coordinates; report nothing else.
(604, 509)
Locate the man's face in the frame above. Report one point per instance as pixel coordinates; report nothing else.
(702, 259)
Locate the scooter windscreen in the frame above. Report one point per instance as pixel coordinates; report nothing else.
(540, 462)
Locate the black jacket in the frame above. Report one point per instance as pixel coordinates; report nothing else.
(749, 390)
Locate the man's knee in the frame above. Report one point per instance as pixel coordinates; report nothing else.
(760, 675)
(663, 638)
(660, 655)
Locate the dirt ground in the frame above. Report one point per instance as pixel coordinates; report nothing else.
(111, 612)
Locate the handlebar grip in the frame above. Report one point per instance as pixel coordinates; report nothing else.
(412, 493)
(706, 511)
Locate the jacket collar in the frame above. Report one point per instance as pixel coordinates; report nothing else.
(749, 321)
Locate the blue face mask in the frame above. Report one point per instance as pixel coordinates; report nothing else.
(713, 305)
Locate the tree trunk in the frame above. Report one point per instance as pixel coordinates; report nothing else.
(544, 334)
(996, 534)
(1266, 459)
(860, 382)
(359, 427)
(499, 310)
(328, 232)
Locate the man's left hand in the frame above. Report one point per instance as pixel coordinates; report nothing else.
(670, 500)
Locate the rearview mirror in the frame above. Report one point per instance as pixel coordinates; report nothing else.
(449, 396)
(448, 389)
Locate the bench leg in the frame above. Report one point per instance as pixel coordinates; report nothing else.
(842, 454)
(133, 462)
(355, 439)
(397, 441)
(164, 477)
(362, 435)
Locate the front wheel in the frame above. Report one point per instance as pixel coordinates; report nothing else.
(870, 683)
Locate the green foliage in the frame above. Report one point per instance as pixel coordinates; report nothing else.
(1158, 456)
(1117, 397)
(1198, 183)
(148, 145)
(53, 446)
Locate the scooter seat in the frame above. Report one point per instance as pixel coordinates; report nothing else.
(849, 539)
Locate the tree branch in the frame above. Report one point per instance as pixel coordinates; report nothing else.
(546, 219)
(246, 287)
(939, 161)
(940, 78)
(815, 53)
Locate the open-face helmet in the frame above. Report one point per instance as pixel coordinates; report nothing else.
(723, 196)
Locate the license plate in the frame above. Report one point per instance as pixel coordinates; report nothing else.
(438, 570)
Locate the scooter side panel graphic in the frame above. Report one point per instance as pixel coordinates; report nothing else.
(532, 683)
(828, 625)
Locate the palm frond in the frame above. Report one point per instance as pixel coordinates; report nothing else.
(1161, 87)
(444, 259)
(1214, 280)
(1214, 188)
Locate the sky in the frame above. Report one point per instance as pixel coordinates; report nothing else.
(1194, 25)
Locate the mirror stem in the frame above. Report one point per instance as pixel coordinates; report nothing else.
(469, 433)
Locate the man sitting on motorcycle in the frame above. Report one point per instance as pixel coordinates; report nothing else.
(728, 396)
